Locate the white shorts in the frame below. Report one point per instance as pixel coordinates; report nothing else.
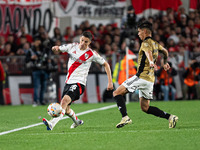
(145, 87)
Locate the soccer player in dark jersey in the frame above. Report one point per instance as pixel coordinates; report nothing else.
(144, 78)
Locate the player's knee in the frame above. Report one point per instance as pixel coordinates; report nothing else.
(115, 93)
(65, 100)
(144, 108)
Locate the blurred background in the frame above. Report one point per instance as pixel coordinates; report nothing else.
(29, 26)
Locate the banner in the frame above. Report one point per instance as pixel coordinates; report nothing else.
(194, 4)
(90, 8)
(154, 6)
(31, 13)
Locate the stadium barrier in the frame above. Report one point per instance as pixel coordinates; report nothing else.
(20, 89)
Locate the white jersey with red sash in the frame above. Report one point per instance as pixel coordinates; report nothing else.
(79, 62)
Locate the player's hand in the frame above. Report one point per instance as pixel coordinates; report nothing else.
(110, 86)
(155, 67)
(55, 48)
(151, 65)
(166, 66)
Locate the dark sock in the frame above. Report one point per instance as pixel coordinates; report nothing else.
(121, 104)
(157, 112)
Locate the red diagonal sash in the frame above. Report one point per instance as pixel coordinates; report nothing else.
(77, 63)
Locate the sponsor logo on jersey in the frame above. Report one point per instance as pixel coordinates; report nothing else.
(86, 56)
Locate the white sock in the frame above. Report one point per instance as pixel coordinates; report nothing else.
(54, 121)
(73, 116)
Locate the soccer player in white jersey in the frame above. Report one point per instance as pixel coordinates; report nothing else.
(81, 57)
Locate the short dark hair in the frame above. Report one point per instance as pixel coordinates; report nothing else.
(87, 34)
(145, 24)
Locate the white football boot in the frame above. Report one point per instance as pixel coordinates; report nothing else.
(74, 125)
(172, 121)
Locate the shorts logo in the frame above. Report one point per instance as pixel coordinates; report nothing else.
(134, 88)
(72, 88)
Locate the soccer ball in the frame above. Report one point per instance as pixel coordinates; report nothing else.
(54, 110)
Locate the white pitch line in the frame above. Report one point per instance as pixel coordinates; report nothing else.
(78, 114)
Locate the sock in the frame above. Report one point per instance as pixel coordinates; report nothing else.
(157, 112)
(121, 104)
(73, 116)
(54, 121)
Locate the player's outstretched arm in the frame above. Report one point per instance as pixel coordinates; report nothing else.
(108, 72)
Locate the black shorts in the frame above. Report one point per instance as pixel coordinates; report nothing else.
(74, 91)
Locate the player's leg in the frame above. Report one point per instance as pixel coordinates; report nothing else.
(144, 104)
(130, 85)
(146, 93)
(51, 124)
(121, 104)
(69, 112)
(74, 118)
(73, 94)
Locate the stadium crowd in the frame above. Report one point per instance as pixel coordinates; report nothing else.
(179, 32)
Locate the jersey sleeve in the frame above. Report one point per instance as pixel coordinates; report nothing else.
(65, 47)
(98, 59)
(146, 46)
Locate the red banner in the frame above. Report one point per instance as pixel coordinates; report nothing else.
(193, 4)
(31, 14)
(142, 5)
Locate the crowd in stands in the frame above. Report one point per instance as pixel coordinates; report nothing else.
(179, 32)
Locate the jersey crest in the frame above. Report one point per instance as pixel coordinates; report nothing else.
(146, 44)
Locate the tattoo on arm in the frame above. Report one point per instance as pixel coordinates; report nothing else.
(165, 55)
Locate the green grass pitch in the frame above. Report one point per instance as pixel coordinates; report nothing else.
(99, 132)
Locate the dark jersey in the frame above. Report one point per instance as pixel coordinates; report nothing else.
(143, 70)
